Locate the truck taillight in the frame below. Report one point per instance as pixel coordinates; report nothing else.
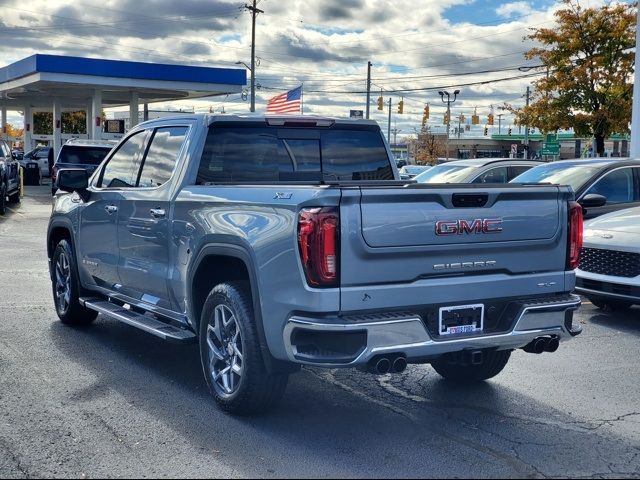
(318, 241)
(575, 235)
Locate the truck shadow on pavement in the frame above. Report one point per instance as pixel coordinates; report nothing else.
(346, 423)
(627, 321)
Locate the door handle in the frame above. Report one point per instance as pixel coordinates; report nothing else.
(158, 212)
(111, 209)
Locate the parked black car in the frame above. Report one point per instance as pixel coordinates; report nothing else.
(601, 185)
(77, 153)
(9, 177)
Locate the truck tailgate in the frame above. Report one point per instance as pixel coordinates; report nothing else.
(408, 234)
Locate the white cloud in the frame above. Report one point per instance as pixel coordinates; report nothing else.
(514, 9)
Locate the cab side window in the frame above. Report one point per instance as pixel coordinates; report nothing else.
(121, 171)
(617, 186)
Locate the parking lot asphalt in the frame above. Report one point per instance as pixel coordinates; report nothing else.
(111, 401)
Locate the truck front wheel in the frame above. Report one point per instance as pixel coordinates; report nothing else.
(66, 288)
(230, 353)
(493, 362)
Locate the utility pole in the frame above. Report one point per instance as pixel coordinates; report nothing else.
(254, 12)
(368, 88)
(459, 124)
(500, 122)
(395, 135)
(389, 125)
(526, 129)
(448, 101)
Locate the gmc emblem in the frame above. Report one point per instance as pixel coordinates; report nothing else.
(479, 225)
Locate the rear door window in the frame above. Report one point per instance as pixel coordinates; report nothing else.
(271, 154)
(162, 156)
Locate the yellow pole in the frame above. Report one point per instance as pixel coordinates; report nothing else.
(21, 181)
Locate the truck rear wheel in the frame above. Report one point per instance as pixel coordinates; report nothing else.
(66, 288)
(231, 356)
(493, 362)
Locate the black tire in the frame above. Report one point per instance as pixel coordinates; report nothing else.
(610, 305)
(253, 390)
(70, 311)
(492, 364)
(3, 200)
(53, 191)
(15, 198)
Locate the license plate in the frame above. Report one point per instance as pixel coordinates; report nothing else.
(461, 319)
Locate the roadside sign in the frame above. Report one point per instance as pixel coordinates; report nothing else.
(514, 150)
(551, 138)
(550, 149)
(356, 114)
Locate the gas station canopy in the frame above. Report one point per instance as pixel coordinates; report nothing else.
(54, 83)
(37, 79)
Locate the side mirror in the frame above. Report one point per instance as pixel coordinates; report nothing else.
(72, 179)
(593, 200)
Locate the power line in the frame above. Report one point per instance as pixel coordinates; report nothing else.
(423, 89)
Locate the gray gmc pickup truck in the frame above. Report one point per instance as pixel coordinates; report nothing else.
(276, 242)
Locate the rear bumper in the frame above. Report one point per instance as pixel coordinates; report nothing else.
(406, 334)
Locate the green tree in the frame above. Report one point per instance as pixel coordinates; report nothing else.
(589, 62)
(43, 123)
(72, 122)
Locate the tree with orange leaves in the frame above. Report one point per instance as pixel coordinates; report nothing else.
(589, 60)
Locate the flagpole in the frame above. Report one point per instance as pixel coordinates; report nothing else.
(302, 98)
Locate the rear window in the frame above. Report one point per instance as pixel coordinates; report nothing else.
(82, 155)
(264, 154)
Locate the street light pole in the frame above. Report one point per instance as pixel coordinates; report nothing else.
(448, 101)
(500, 123)
(635, 112)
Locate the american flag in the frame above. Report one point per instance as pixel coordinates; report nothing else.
(288, 102)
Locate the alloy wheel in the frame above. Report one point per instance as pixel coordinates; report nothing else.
(224, 340)
(63, 282)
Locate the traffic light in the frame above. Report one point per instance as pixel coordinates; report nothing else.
(509, 131)
(486, 131)
(445, 119)
(380, 103)
(401, 106)
(475, 119)
(490, 119)
(426, 112)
